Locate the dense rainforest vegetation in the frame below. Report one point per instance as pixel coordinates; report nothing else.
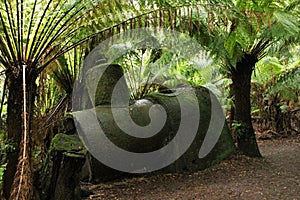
(250, 57)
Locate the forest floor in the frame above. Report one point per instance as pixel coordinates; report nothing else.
(275, 176)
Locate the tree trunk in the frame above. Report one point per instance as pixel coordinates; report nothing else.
(241, 80)
(14, 127)
(278, 120)
(15, 122)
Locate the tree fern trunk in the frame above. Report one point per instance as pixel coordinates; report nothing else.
(241, 80)
(22, 183)
(14, 126)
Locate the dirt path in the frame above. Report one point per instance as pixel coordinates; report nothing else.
(276, 176)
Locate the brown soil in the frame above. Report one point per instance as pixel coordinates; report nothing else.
(275, 176)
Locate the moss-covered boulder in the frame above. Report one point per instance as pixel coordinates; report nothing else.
(190, 160)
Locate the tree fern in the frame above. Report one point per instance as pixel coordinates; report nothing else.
(33, 34)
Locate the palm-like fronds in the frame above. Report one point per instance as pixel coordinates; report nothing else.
(67, 68)
(254, 25)
(227, 30)
(33, 41)
(186, 17)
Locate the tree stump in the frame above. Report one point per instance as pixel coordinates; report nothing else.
(60, 175)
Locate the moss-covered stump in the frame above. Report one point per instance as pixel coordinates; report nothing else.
(139, 112)
(60, 174)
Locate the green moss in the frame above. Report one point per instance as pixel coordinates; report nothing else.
(69, 144)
